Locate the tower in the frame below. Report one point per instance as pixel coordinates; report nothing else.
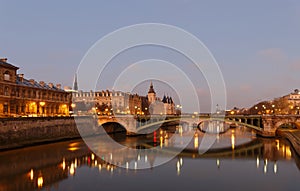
(75, 85)
(151, 94)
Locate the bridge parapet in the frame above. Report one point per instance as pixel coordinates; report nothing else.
(273, 122)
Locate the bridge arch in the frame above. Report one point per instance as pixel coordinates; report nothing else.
(113, 127)
(287, 124)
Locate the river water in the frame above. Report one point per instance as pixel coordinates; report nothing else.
(238, 160)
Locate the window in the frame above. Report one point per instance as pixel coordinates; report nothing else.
(6, 76)
(6, 91)
(5, 108)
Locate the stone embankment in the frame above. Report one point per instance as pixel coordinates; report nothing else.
(20, 132)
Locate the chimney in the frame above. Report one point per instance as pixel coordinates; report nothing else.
(31, 81)
(58, 86)
(21, 77)
(50, 85)
(3, 60)
(42, 83)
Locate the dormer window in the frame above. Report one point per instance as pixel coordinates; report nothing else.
(6, 76)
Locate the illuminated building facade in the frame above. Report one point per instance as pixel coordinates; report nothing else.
(117, 102)
(22, 97)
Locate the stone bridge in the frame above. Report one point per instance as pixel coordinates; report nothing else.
(265, 125)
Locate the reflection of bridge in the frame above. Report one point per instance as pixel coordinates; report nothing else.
(55, 162)
(265, 125)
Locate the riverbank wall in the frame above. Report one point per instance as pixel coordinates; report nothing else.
(20, 132)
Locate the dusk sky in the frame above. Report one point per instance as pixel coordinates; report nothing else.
(256, 43)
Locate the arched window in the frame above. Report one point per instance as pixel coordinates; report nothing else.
(7, 76)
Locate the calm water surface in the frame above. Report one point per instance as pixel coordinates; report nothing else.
(237, 161)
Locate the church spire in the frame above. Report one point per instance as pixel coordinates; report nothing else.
(75, 85)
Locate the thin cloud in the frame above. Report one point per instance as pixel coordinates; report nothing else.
(273, 56)
(295, 65)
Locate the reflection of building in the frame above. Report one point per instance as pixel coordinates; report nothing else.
(19, 96)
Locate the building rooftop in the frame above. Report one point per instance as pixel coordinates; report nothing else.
(3, 63)
(35, 84)
(151, 89)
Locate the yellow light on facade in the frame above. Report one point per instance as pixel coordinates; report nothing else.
(42, 103)
(40, 181)
(232, 112)
(31, 174)
(73, 105)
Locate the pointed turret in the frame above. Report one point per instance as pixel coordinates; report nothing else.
(151, 89)
(75, 85)
(164, 100)
(151, 94)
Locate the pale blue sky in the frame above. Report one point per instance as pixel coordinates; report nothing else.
(256, 43)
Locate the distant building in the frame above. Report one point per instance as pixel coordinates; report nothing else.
(117, 102)
(106, 102)
(294, 98)
(169, 106)
(156, 106)
(22, 97)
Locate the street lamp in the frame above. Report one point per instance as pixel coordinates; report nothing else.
(73, 105)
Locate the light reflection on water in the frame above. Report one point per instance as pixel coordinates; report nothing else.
(237, 160)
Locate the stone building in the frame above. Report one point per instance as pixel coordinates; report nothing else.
(108, 102)
(117, 102)
(169, 106)
(156, 106)
(23, 97)
(294, 98)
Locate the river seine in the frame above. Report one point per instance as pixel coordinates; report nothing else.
(238, 160)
